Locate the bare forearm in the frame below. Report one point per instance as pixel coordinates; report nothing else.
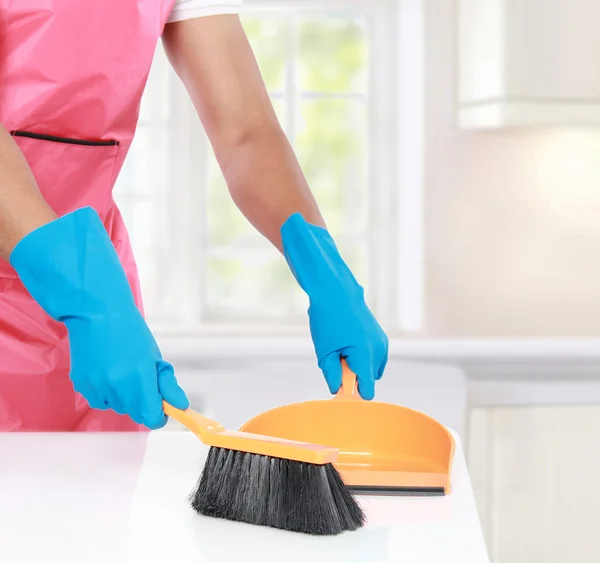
(267, 183)
(22, 207)
(213, 58)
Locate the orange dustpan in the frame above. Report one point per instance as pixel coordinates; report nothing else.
(383, 448)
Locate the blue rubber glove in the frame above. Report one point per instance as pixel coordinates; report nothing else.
(341, 323)
(71, 269)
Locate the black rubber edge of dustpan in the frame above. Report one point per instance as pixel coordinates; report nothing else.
(397, 491)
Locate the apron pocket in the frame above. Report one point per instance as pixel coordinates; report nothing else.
(70, 172)
(66, 140)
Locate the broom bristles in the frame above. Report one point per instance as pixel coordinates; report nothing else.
(280, 493)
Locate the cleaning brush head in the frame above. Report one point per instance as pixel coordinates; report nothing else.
(275, 492)
(269, 481)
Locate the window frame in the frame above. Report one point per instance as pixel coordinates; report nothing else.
(395, 167)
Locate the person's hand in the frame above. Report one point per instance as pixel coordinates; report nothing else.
(344, 327)
(341, 323)
(116, 364)
(71, 269)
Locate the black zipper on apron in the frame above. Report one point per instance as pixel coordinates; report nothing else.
(66, 140)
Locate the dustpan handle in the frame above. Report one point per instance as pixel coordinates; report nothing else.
(349, 388)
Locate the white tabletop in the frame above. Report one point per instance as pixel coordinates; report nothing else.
(122, 498)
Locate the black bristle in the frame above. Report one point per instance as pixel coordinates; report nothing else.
(280, 493)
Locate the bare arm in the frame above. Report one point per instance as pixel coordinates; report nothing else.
(214, 60)
(22, 207)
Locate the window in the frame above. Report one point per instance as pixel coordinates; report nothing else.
(329, 68)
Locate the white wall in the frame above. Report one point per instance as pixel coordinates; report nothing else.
(512, 218)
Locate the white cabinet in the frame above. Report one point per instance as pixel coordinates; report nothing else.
(528, 63)
(534, 471)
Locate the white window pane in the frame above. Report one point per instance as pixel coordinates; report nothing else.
(332, 147)
(144, 222)
(145, 171)
(332, 55)
(254, 286)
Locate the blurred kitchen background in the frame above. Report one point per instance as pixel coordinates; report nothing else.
(454, 148)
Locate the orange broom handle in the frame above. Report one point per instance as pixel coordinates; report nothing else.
(198, 424)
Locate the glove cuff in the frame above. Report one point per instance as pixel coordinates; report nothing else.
(315, 260)
(70, 267)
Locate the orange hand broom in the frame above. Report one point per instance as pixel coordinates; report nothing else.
(269, 481)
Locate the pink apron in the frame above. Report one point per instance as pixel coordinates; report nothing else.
(71, 77)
